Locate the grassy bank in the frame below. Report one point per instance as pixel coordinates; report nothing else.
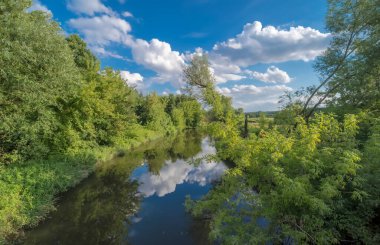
(28, 190)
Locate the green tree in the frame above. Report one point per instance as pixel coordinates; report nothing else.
(109, 105)
(38, 75)
(201, 85)
(87, 63)
(152, 114)
(349, 69)
(192, 113)
(297, 193)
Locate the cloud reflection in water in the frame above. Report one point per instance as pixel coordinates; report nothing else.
(181, 171)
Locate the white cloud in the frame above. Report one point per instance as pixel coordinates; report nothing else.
(38, 6)
(223, 69)
(127, 14)
(102, 30)
(272, 75)
(89, 7)
(132, 79)
(225, 77)
(253, 98)
(156, 55)
(159, 57)
(256, 44)
(102, 52)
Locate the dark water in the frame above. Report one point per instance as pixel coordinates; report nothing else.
(137, 199)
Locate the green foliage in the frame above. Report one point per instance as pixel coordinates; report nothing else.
(37, 74)
(59, 113)
(297, 193)
(349, 68)
(294, 181)
(152, 114)
(28, 190)
(108, 104)
(178, 118)
(88, 64)
(193, 113)
(201, 85)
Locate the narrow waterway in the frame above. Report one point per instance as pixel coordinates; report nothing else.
(138, 198)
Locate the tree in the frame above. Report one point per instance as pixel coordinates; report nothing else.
(38, 75)
(276, 192)
(152, 114)
(201, 85)
(349, 69)
(192, 113)
(87, 63)
(109, 106)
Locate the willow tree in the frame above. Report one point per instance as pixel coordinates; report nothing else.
(350, 68)
(201, 84)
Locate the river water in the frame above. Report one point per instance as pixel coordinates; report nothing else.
(138, 198)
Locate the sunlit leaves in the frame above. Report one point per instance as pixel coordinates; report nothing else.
(297, 176)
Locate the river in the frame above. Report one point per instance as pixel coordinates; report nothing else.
(138, 198)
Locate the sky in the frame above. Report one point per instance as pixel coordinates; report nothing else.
(257, 49)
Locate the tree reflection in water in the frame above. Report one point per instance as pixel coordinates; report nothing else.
(101, 210)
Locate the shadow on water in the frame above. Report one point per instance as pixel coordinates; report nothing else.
(137, 198)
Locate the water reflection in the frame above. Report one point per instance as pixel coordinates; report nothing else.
(107, 208)
(179, 172)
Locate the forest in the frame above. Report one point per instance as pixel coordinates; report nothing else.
(309, 175)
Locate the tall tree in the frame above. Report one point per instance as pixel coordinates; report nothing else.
(201, 84)
(37, 75)
(350, 67)
(88, 64)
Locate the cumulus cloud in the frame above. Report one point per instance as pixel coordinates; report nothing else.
(253, 98)
(179, 172)
(272, 75)
(38, 6)
(132, 79)
(228, 60)
(89, 7)
(223, 69)
(127, 14)
(158, 56)
(101, 30)
(258, 44)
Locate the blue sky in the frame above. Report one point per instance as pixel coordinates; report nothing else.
(257, 49)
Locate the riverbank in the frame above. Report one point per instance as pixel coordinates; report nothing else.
(28, 190)
(139, 193)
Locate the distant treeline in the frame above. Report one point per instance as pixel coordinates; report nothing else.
(257, 113)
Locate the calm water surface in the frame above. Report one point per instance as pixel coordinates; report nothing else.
(138, 198)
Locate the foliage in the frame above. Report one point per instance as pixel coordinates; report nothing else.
(310, 179)
(298, 194)
(201, 85)
(59, 112)
(37, 74)
(349, 68)
(87, 63)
